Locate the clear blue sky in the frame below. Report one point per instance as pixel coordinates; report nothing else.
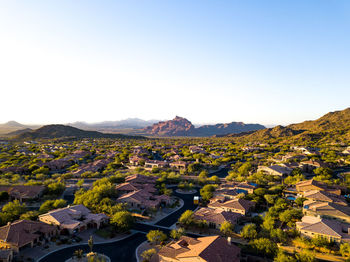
(269, 62)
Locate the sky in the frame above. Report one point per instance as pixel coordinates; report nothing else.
(267, 62)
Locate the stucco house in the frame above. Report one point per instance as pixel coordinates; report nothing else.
(72, 219)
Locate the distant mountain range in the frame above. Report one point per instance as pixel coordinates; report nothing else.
(12, 126)
(180, 126)
(129, 123)
(334, 126)
(63, 131)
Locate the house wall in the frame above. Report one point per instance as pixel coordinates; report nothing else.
(309, 234)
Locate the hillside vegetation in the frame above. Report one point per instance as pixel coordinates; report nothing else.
(334, 126)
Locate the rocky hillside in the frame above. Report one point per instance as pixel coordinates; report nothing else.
(62, 131)
(12, 126)
(179, 126)
(332, 126)
(182, 127)
(224, 129)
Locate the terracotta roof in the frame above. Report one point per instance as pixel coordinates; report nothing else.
(240, 204)
(325, 197)
(69, 217)
(126, 187)
(141, 179)
(327, 208)
(22, 232)
(23, 191)
(322, 226)
(216, 216)
(210, 249)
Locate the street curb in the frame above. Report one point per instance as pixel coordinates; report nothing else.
(136, 251)
(84, 243)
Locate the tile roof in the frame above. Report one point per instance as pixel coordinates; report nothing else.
(22, 232)
(210, 249)
(23, 191)
(321, 226)
(240, 204)
(325, 197)
(216, 216)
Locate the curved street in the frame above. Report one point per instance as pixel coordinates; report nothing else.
(124, 250)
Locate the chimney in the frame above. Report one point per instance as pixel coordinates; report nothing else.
(229, 240)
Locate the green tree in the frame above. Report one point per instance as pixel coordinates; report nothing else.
(245, 168)
(14, 209)
(264, 246)
(187, 218)
(30, 215)
(122, 220)
(345, 249)
(270, 199)
(289, 216)
(278, 235)
(226, 228)
(80, 183)
(177, 233)
(249, 231)
(207, 192)
(283, 257)
(148, 254)
(56, 188)
(269, 223)
(305, 256)
(156, 237)
(52, 204)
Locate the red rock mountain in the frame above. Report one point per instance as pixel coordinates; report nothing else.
(182, 127)
(179, 126)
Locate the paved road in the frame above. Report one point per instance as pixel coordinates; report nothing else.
(124, 250)
(188, 204)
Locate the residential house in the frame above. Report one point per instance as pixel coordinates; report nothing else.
(312, 184)
(197, 150)
(306, 150)
(309, 165)
(24, 193)
(312, 227)
(346, 151)
(156, 163)
(240, 206)
(324, 196)
(249, 149)
(72, 219)
(139, 192)
(95, 166)
(178, 165)
(25, 233)
(293, 157)
(142, 199)
(204, 249)
(275, 170)
(141, 179)
(137, 160)
(215, 217)
(327, 210)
